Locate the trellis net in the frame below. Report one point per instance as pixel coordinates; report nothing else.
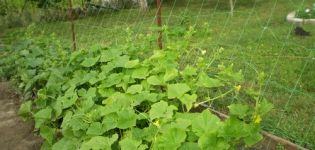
(256, 38)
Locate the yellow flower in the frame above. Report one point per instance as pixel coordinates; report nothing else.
(157, 123)
(238, 88)
(257, 119)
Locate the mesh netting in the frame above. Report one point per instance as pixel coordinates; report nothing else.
(255, 37)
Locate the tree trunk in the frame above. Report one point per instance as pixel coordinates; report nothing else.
(143, 5)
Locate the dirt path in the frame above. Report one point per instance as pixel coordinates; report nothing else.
(15, 134)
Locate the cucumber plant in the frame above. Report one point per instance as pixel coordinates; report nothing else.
(111, 98)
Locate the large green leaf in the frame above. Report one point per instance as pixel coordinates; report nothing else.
(128, 143)
(146, 134)
(25, 109)
(188, 100)
(99, 142)
(112, 79)
(140, 73)
(47, 133)
(133, 89)
(239, 110)
(264, 107)
(95, 128)
(109, 55)
(253, 139)
(105, 92)
(57, 107)
(205, 81)
(132, 63)
(189, 71)
(110, 121)
(89, 62)
(121, 61)
(189, 146)
(228, 74)
(170, 74)
(65, 144)
(41, 116)
(154, 80)
(234, 128)
(161, 110)
(66, 119)
(206, 123)
(171, 140)
(34, 62)
(78, 122)
(144, 96)
(106, 69)
(70, 97)
(116, 102)
(91, 93)
(177, 90)
(67, 101)
(210, 141)
(92, 77)
(126, 119)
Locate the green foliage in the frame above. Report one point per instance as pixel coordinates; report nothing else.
(306, 13)
(109, 98)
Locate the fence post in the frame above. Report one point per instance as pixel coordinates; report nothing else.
(159, 22)
(72, 25)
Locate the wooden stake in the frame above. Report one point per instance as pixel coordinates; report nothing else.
(72, 25)
(159, 23)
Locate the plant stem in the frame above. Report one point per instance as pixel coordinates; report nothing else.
(217, 97)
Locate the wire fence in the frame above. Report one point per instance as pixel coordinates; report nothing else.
(256, 38)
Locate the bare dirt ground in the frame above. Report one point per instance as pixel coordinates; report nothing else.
(15, 134)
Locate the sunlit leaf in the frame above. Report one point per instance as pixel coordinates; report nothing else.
(205, 81)
(177, 90)
(161, 110)
(126, 119)
(95, 128)
(128, 143)
(154, 80)
(170, 74)
(65, 144)
(42, 116)
(47, 133)
(171, 139)
(140, 73)
(132, 63)
(99, 142)
(133, 89)
(188, 100)
(89, 62)
(206, 123)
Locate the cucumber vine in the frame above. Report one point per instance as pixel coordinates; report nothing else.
(109, 98)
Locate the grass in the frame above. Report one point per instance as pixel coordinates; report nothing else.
(256, 38)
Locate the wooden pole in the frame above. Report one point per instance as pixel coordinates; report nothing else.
(159, 23)
(71, 15)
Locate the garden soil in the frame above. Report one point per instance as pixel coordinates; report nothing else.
(15, 134)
